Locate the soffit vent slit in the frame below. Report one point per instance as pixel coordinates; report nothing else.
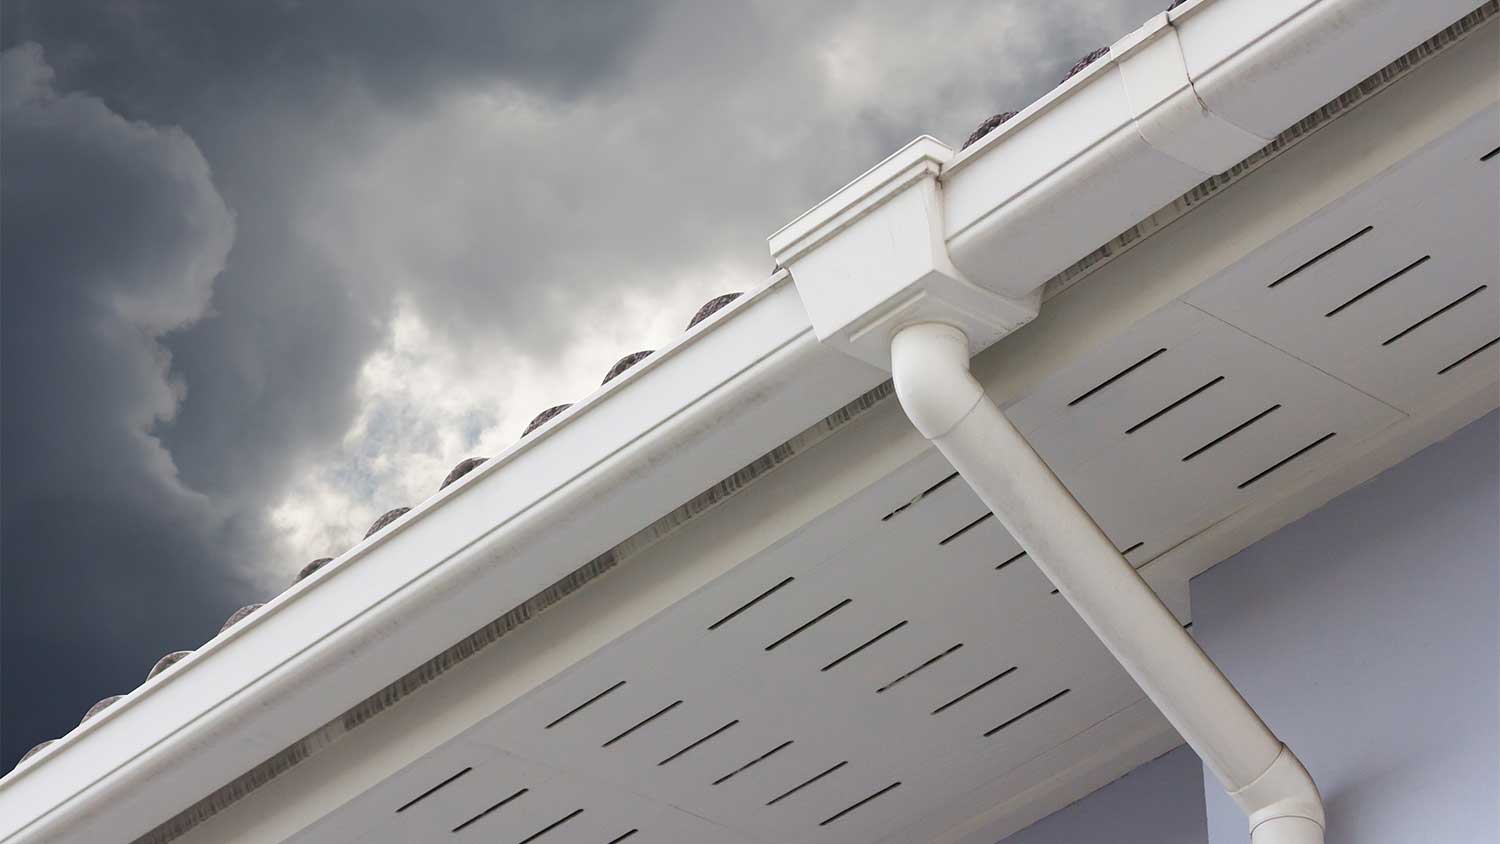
(872, 640)
(748, 604)
(1231, 432)
(881, 793)
(753, 762)
(1288, 459)
(549, 827)
(516, 796)
(627, 835)
(700, 742)
(643, 722)
(804, 784)
(1009, 561)
(929, 663)
(1466, 358)
(979, 688)
(921, 495)
(802, 629)
(1437, 313)
(1118, 375)
(1381, 283)
(1324, 254)
(582, 706)
(1173, 406)
(1032, 711)
(965, 529)
(431, 791)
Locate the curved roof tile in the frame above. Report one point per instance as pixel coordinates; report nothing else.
(385, 519)
(625, 363)
(166, 662)
(239, 615)
(544, 417)
(100, 707)
(464, 467)
(711, 307)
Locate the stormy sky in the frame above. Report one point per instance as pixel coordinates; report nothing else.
(268, 269)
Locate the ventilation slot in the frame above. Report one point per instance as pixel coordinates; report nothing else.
(1381, 283)
(1011, 560)
(627, 835)
(1032, 711)
(1294, 455)
(1171, 407)
(1466, 358)
(923, 494)
(1437, 313)
(1491, 154)
(817, 618)
(881, 793)
(1324, 254)
(921, 667)
(965, 529)
(502, 803)
(1118, 375)
(753, 762)
(877, 637)
(431, 791)
(585, 705)
(752, 602)
(554, 825)
(660, 712)
(1231, 432)
(979, 688)
(699, 742)
(804, 784)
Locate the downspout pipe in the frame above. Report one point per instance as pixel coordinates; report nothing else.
(930, 364)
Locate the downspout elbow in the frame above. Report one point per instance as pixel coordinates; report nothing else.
(1283, 804)
(930, 367)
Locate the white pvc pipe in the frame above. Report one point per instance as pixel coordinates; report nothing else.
(930, 363)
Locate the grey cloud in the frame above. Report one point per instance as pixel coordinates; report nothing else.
(112, 239)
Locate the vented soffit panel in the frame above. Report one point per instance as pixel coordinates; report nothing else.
(849, 649)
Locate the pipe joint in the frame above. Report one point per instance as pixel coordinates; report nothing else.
(930, 366)
(1285, 791)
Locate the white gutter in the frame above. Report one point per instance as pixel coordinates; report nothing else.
(1187, 96)
(931, 256)
(694, 413)
(930, 362)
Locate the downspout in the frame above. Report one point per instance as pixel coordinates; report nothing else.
(930, 364)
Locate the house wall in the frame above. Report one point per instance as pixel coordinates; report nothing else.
(1367, 634)
(1160, 802)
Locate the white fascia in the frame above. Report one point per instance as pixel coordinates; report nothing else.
(682, 420)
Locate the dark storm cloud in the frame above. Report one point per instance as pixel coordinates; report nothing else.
(113, 234)
(512, 176)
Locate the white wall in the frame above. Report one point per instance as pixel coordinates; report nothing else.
(1367, 634)
(1161, 802)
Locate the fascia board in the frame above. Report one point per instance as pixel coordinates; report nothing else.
(693, 414)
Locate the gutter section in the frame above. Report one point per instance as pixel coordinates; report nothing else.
(1189, 95)
(695, 412)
